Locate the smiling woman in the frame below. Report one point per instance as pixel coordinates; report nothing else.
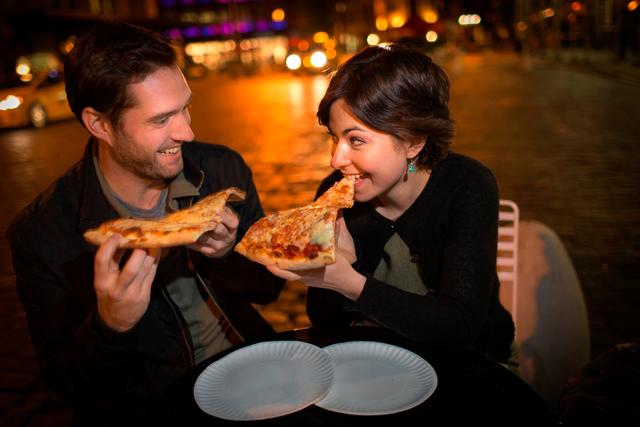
(35, 103)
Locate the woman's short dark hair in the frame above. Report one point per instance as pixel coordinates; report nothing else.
(106, 60)
(399, 91)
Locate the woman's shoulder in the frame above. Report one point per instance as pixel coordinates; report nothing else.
(459, 168)
(460, 162)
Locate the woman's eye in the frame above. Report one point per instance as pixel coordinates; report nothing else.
(356, 141)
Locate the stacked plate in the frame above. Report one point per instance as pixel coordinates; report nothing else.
(276, 378)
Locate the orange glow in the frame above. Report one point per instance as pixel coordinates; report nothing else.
(632, 5)
(382, 24)
(429, 16)
(303, 45)
(277, 15)
(576, 6)
(320, 37)
(397, 20)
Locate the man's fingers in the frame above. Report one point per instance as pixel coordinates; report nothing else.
(133, 268)
(108, 254)
(148, 272)
(230, 219)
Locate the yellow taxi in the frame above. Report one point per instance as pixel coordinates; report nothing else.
(36, 102)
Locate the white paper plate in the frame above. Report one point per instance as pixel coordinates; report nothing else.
(264, 380)
(373, 378)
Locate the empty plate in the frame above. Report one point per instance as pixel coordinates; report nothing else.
(264, 380)
(373, 378)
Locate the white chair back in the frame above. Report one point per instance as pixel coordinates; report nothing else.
(545, 301)
(507, 261)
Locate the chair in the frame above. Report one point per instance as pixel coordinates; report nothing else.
(541, 289)
(507, 261)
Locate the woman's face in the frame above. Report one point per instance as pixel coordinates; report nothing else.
(379, 159)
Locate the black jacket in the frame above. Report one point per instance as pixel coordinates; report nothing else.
(118, 378)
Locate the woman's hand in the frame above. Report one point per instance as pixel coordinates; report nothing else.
(339, 276)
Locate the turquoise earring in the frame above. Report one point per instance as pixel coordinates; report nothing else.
(412, 166)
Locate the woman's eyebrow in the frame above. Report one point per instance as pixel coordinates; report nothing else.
(347, 130)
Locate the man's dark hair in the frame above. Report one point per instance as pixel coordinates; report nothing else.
(106, 60)
(396, 90)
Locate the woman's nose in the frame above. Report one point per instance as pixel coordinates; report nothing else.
(340, 156)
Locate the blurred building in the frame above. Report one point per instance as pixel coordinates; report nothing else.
(610, 25)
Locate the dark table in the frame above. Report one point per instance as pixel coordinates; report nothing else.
(471, 389)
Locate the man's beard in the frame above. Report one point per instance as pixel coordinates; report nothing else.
(131, 157)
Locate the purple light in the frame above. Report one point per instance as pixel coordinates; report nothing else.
(186, 2)
(226, 28)
(168, 3)
(244, 26)
(277, 26)
(210, 30)
(191, 32)
(173, 33)
(262, 26)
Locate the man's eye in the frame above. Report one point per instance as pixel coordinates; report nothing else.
(161, 121)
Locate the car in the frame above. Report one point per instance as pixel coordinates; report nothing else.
(34, 103)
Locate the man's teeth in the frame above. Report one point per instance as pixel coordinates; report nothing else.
(173, 150)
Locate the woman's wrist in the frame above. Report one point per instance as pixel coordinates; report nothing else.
(354, 285)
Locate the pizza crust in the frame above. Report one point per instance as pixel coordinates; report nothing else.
(182, 227)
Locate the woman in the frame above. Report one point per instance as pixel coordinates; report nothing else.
(423, 230)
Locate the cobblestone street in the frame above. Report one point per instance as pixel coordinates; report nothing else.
(563, 142)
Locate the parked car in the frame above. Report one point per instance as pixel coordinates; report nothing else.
(34, 103)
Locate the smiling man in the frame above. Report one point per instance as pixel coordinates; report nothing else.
(112, 329)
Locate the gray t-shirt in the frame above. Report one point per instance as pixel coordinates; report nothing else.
(204, 319)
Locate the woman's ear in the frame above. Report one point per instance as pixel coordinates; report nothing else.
(97, 124)
(415, 147)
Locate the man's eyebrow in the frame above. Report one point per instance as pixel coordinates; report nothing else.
(172, 112)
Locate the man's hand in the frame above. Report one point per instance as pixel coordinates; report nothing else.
(123, 294)
(219, 241)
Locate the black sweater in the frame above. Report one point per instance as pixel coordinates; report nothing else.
(451, 230)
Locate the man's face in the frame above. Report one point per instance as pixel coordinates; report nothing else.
(148, 141)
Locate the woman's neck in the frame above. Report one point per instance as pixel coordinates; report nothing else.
(393, 204)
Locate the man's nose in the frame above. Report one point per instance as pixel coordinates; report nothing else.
(183, 131)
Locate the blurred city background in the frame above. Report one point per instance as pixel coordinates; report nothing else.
(544, 92)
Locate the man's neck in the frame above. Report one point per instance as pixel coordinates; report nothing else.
(129, 187)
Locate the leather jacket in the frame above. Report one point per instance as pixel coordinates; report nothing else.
(119, 378)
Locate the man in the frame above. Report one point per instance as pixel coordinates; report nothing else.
(113, 329)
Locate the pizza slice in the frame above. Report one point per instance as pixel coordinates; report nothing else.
(182, 227)
(301, 238)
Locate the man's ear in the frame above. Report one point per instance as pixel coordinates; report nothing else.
(97, 124)
(415, 146)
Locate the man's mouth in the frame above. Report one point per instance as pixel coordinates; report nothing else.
(172, 150)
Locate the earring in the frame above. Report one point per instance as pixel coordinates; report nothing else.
(412, 165)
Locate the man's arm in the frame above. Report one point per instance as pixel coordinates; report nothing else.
(78, 355)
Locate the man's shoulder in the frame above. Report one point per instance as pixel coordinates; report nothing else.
(61, 196)
(197, 150)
